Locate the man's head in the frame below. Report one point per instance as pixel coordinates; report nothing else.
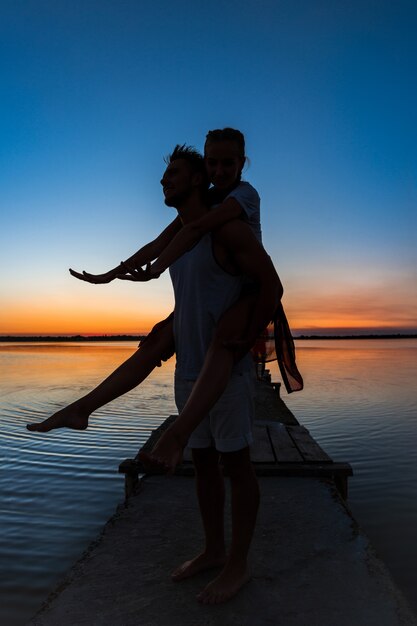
(184, 176)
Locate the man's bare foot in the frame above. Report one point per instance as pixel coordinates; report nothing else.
(230, 580)
(70, 417)
(199, 564)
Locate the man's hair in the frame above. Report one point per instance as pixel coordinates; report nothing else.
(194, 159)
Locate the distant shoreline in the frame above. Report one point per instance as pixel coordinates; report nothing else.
(110, 338)
(369, 336)
(71, 338)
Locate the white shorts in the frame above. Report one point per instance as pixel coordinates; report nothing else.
(228, 426)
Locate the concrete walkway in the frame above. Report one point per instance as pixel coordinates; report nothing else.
(311, 566)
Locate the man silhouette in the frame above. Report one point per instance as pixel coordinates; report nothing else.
(207, 280)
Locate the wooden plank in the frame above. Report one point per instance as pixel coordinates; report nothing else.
(187, 455)
(156, 433)
(276, 387)
(333, 470)
(260, 450)
(305, 470)
(129, 466)
(283, 446)
(307, 446)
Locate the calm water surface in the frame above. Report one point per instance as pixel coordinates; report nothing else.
(360, 403)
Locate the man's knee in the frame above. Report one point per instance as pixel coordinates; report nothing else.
(237, 464)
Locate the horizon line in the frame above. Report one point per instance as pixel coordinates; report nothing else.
(133, 337)
(303, 331)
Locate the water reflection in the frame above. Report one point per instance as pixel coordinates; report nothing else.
(360, 403)
(59, 489)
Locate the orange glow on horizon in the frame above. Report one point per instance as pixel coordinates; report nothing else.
(86, 322)
(352, 309)
(90, 323)
(99, 314)
(71, 327)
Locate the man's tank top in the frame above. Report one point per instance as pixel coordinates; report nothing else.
(203, 292)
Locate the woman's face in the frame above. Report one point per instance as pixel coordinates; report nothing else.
(223, 163)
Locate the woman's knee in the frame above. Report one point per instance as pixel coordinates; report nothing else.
(225, 332)
(159, 345)
(206, 460)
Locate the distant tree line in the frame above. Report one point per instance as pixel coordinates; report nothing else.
(77, 338)
(80, 338)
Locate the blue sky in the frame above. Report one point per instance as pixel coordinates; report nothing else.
(93, 94)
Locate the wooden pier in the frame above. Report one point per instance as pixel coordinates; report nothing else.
(311, 563)
(282, 447)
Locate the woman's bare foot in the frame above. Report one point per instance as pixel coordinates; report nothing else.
(230, 580)
(199, 564)
(168, 450)
(70, 417)
(150, 464)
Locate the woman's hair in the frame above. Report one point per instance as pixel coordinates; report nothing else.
(227, 134)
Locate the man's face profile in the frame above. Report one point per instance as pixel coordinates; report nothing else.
(176, 182)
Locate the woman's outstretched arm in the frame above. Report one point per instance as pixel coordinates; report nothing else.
(143, 256)
(191, 233)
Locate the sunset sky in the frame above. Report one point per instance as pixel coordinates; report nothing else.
(94, 93)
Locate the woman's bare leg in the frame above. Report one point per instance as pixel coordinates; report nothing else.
(127, 376)
(209, 386)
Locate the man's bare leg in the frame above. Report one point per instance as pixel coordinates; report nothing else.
(127, 376)
(210, 493)
(245, 503)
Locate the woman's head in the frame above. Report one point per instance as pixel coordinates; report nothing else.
(224, 155)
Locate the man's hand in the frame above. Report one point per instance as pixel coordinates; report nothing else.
(138, 274)
(95, 279)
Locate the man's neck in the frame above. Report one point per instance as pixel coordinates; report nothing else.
(192, 209)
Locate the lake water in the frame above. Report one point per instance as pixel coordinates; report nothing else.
(359, 402)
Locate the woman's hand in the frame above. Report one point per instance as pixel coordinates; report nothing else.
(96, 279)
(138, 274)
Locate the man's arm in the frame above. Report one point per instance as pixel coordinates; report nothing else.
(250, 258)
(143, 256)
(191, 233)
